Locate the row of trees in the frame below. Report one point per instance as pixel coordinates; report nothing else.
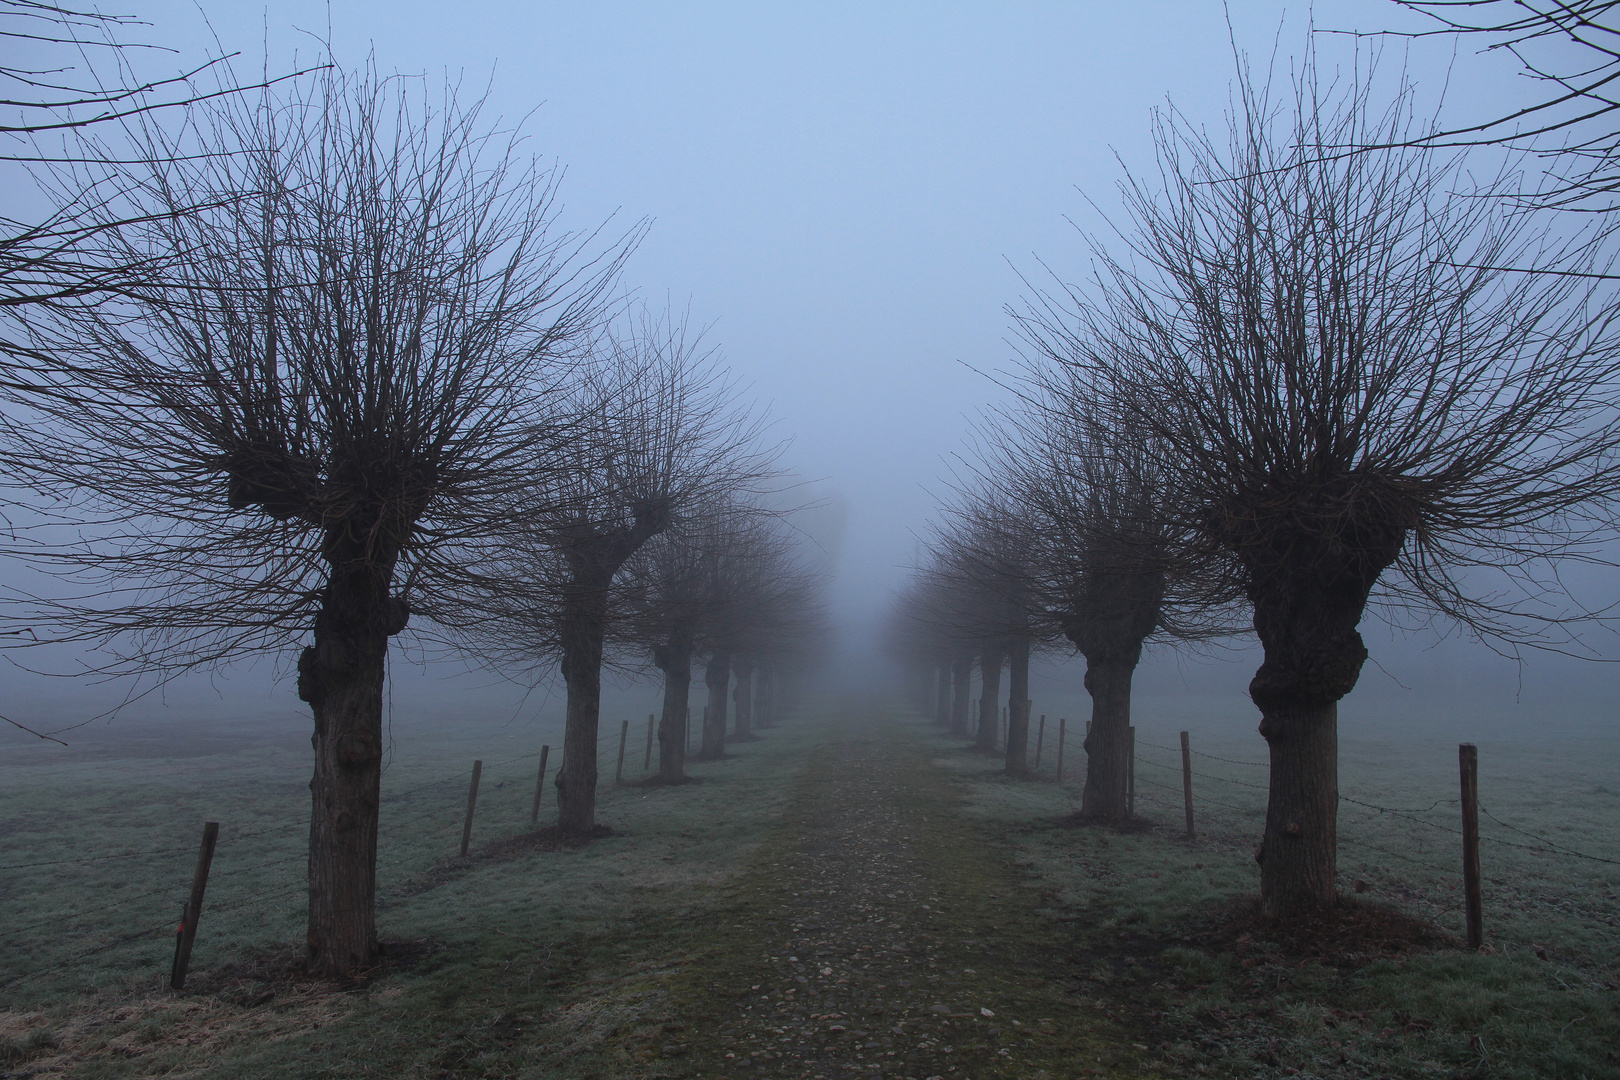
(1313, 378)
(364, 380)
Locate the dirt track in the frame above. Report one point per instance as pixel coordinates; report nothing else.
(882, 936)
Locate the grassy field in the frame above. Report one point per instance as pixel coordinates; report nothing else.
(484, 947)
(1541, 1001)
(576, 963)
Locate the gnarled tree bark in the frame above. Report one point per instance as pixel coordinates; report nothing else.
(1112, 614)
(341, 677)
(1309, 588)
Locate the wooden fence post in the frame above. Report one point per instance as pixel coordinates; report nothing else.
(647, 764)
(624, 736)
(539, 785)
(1468, 759)
(188, 921)
(472, 801)
(1063, 730)
(1130, 772)
(1186, 782)
(1040, 738)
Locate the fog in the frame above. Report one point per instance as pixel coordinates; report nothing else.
(848, 194)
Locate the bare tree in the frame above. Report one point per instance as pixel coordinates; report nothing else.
(983, 570)
(1108, 556)
(1343, 389)
(664, 612)
(657, 435)
(742, 574)
(307, 431)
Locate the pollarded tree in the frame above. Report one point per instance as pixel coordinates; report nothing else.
(654, 437)
(985, 557)
(740, 571)
(1351, 400)
(1115, 564)
(666, 597)
(779, 618)
(295, 439)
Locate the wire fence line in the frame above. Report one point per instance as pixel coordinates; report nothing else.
(1405, 813)
(1417, 858)
(421, 846)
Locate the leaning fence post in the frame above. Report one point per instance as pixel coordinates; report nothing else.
(188, 920)
(624, 736)
(1040, 737)
(1468, 759)
(539, 785)
(647, 765)
(1063, 729)
(1130, 772)
(1186, 782)
(472, 801)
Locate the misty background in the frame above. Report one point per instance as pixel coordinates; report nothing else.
(848, 195)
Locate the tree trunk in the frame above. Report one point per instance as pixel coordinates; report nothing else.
(341, 677)
(1107, 746)
(1309, 590)
(961, 692)
(989, 698)
(1299, 855)
(584, 627)
(675, 659)
(743, 695)
(1018, 709)
(717, 677)
(1112, 612)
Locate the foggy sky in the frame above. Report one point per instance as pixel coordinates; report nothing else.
(847, 192)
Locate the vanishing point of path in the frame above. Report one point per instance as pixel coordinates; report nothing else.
(882, 934)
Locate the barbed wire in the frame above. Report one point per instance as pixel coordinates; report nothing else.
(1558, 848)
(1212, 757)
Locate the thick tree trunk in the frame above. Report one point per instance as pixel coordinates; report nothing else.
(1108, 744)
(1299, 855)
(989, 698)
(717, 677)
(593, 559)
(675, 658)
(742, 695)
(584, 627)
(1113, 613)
(341, 676)
(1018, 709)
(961, 693)
(1309, 590)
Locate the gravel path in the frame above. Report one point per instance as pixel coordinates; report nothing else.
(882, 938)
